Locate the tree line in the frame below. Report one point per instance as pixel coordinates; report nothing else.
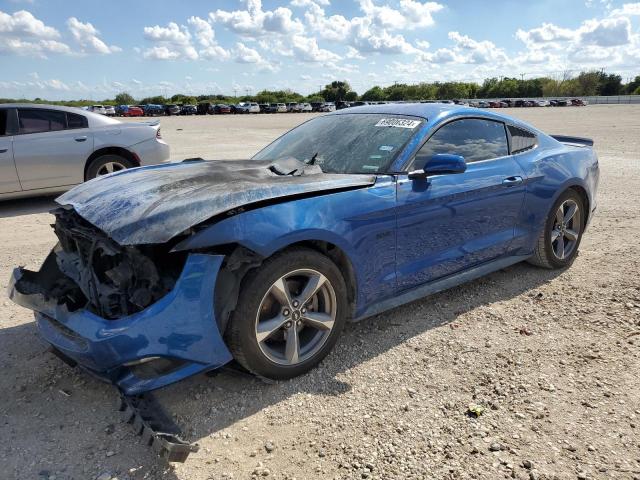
(591, 83)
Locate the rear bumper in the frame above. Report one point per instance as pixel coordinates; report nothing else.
(179, 329)
(152, 151)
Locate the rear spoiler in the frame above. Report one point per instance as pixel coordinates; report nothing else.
(577, 141)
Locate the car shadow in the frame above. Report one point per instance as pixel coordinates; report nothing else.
(206, 404)
(26, 206)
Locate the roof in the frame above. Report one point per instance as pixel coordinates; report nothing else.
(96, 118)
(434, 112)
(425, 110)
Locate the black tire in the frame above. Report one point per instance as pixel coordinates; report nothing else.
(241, 332)
(98, 165)
(545, 253)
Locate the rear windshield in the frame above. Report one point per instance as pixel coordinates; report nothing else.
(349, 143)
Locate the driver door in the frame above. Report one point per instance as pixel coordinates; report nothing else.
(451, 222)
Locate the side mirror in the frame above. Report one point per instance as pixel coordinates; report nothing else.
(439, 164)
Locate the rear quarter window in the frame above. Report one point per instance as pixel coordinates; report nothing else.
(521, 139)
(75, 120)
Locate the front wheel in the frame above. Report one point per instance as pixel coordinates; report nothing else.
(558, 243)
(290, 314)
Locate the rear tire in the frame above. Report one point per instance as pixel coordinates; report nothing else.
(280, 336)
(558, 244)
(106, 164)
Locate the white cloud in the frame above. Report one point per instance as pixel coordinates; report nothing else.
(306, 3)
(411, 14)
(244, 54)
(23, 34)
(609, 32)
(353, 53)
(372, 32)
(86, 36)
(206, 39)
(172, 42)
(628, 9)
(306, 49)
(24, 24)
(606, 32)
(255, 22)
(548, 35)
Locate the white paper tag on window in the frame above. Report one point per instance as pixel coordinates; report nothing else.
(398, 123)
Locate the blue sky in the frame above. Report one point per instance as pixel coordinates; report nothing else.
(63, 49)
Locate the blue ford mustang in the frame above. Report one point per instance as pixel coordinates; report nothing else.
(162, 272)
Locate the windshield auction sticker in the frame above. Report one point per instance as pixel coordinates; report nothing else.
(398, 123)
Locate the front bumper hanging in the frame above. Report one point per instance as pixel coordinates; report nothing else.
(155, 426)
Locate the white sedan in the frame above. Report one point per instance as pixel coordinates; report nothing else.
(46, 149)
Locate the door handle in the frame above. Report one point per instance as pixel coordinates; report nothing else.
(80, 139)
(512, 181)
(2, 150)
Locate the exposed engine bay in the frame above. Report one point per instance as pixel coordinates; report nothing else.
(115, 281)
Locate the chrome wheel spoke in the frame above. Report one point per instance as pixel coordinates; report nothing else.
(280, 290)
(313, 285)
(560, 247)
(266, 328)
(560, 215)
(571, 211)
(292, 348)
(571, 235)
(555, 233)
(321, 321)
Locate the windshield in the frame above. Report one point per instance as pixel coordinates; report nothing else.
(350, 143)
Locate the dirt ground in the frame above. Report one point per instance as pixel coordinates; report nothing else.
(553, 356)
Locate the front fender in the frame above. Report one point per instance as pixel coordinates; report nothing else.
(267, 230)
(360, 222)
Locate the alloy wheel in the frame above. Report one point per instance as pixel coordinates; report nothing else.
(110, 167)
(296, 317)
(566, 229)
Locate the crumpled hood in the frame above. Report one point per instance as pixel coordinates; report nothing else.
(154, 204)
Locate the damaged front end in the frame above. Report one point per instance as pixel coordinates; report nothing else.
(137, 316)
(116, 281)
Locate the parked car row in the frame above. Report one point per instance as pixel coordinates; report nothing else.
(575, 102)
(208, 108)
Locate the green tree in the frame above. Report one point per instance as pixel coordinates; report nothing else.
(157, 100)
(124, 99)
(610, 84)
(351, 96)
(374, 94)
(335, 91)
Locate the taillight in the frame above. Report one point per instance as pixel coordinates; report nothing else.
(158, 134)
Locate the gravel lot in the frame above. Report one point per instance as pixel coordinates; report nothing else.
(552, 356)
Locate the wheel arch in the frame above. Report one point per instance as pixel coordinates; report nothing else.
(240, 260)
(120, 151)
(580, 190)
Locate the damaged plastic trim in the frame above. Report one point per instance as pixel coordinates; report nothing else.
(155, 426)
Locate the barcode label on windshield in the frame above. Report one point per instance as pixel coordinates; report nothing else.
(398, 123)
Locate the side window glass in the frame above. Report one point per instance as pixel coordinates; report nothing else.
(473, 138)
(40, 120)
(76, 121)
(3, 122)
